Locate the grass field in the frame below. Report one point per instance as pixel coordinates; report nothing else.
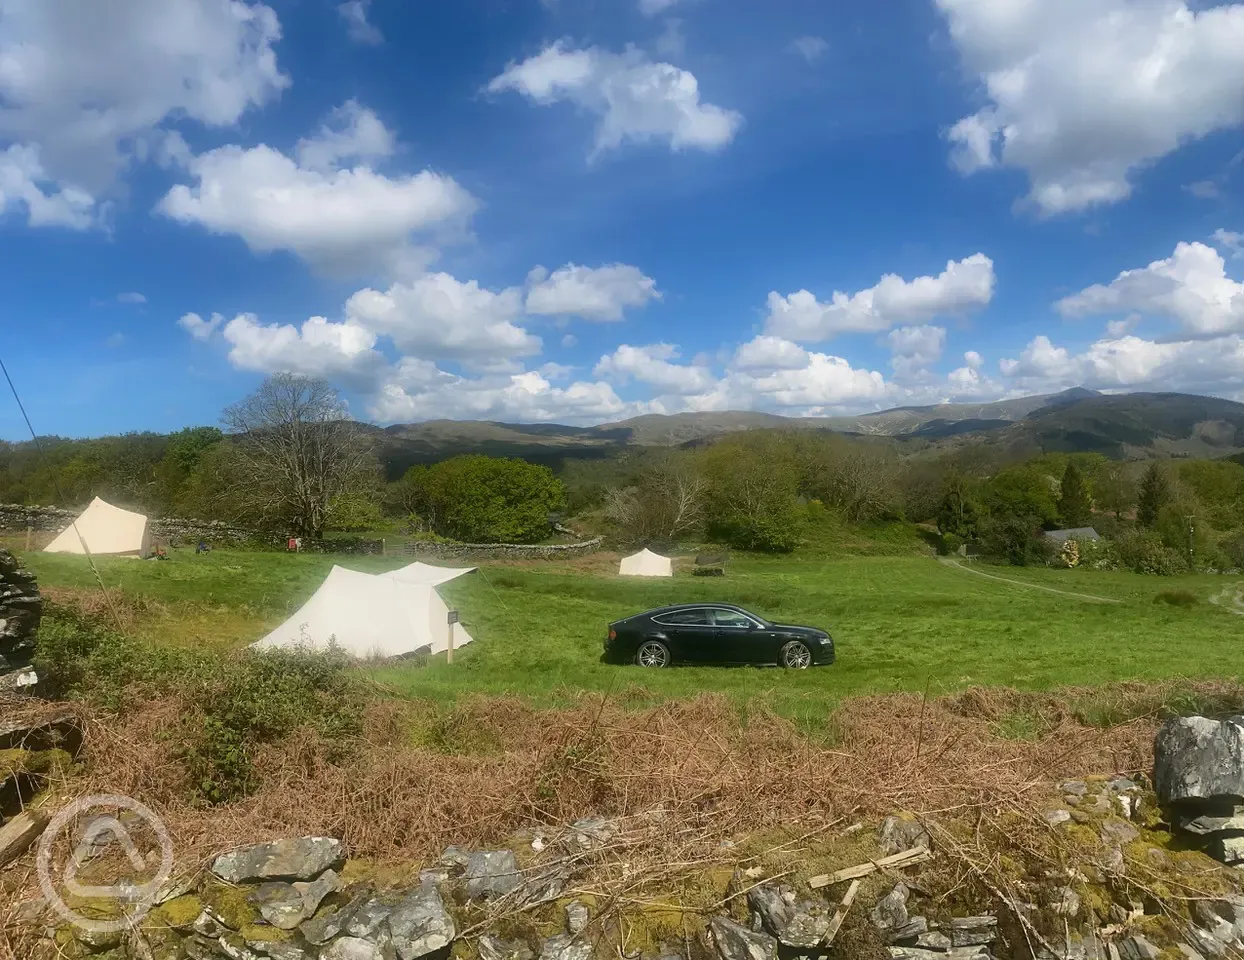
(900, 623)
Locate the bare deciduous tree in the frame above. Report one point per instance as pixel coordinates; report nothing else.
(667, 504)
(296, 451)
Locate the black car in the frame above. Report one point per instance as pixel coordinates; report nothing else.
(714, 633)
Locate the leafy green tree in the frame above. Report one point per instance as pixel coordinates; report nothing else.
(1026, 491)
(1219, 488)
(1155, 493)
(1114, 491)
(752, 501)
(481, 499)
(957, 509)
(1074, 507)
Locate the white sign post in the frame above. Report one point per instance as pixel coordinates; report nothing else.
(449, 652)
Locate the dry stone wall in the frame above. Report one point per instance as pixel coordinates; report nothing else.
(16, 518)
(21, 609)
(503, 551)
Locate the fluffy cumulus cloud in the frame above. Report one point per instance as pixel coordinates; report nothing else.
(914, 349)
(1190, 287)
(963, 286)
(1132, 363)
(653, 365)
(344, 352)
(823, 384)
(199, 328)
(593, 293)
(1082, 93)
(635, 99)
(1231, 241)
(360, 29)
(85, 85)
(770, 354)
(345, 220)
(439, 317)
(25, 184)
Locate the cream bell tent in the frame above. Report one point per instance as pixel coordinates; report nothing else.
(369, 616)
(106, 529)
(646, 564)
(427, 573)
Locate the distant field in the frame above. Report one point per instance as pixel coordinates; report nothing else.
(900, 623)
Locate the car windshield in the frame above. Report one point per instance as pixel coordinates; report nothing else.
(733, 618)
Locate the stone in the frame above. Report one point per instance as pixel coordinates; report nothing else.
(491, 874)
(1206, 943)
(1118, 831)
(492, 947)
(1189, 953)
(277, 950)
(890, 913)
(795, 923)
(97, 940)
(454, 857)
(973, 931)
(319, 930)
(910, 932)
(1197, 759)
(367, 920)
(313, 893)
(301, 859)
(1101, 804)
(1227, 849)
(592, 832)
(279, 904)
(1068, 903)
(421, 925)
(1114, 862)
(545, 886)
(577, 918)
(1138, 948)
(1075, 788)
(734, 942)
(1213, 818)
(21, 610)
(955, 953)
(565, 947)
(435, 876)
(1122, 785)
(933, 940)
(897, 835)
(209, 924)
(352, 948)
(1056, 817)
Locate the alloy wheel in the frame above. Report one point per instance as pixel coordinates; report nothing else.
(796, 656)
(653, 654)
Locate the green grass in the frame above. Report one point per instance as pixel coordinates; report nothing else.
(900, 623)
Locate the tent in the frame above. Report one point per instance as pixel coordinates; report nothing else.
(427, 573)
(646, 564)
(106, 529)
(369, 616)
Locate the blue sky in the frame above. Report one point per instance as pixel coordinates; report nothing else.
(583, 210)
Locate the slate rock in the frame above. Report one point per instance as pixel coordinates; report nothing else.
(1138, 948)
(352, 948)
(592, 832)
(279, 904)
(368, 918)
(492, 947)
(1197, 759)
(319, 930)
(734, 942)
(1123, 785)
(209, 924)
(795, 923)
(910, 932)
(454, 857)
(973, 931)
(492, 873)
(304, 858)
(1075, 788)
(1213, 818)
(890, 913)
(577, 918)
(276, 950)
(565, 947)
(421, 925)
(1118, 831)
(1055, 817)
(1228, 849)
(1206, 943)
(933, 940)
(545, 886)
(898, 835)
(955, 953)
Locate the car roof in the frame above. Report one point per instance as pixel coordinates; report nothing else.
(703, 604)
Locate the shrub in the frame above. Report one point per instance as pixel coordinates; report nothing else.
(1231, 549)
(1145, 553)
(1098, 555)
(1177, 598)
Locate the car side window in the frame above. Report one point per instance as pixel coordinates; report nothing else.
(731, 618)
(685, 618)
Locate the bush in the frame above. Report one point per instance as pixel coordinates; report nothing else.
(1177, 598)
(1145, 553)
(1098, 555)
(1015, 540)
(1231, 549)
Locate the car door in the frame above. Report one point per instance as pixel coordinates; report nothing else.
(739, 638)
(690, 634)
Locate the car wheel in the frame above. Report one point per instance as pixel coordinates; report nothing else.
(653, 653)
(796, 656)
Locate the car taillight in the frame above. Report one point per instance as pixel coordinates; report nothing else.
(613, 634)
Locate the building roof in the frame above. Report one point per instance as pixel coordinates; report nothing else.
(1077, 533)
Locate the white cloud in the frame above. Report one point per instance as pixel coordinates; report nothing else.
(439, 317)
(652, 364)
(319, 348)
(131, 297)
(651, 8)
(523, 397)
(769, 354)
(1117, 328)
(361, 30)
(84, 84)
(634, 98)
(570, 340)
(199, 328)
(914, 349)
(810, 48)
(825, 382)
(1129, 362)
(672, 42)
(345, 221)
(1083, 93)
(600, 293)
(973, 360)
(25, 184)
(962, 286)
(1191, 287)
(1233, 241)
(1205, 189)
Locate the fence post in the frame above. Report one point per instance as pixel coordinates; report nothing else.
(449, 651)
(30, 532)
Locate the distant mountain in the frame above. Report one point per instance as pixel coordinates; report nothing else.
(1122, 425)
